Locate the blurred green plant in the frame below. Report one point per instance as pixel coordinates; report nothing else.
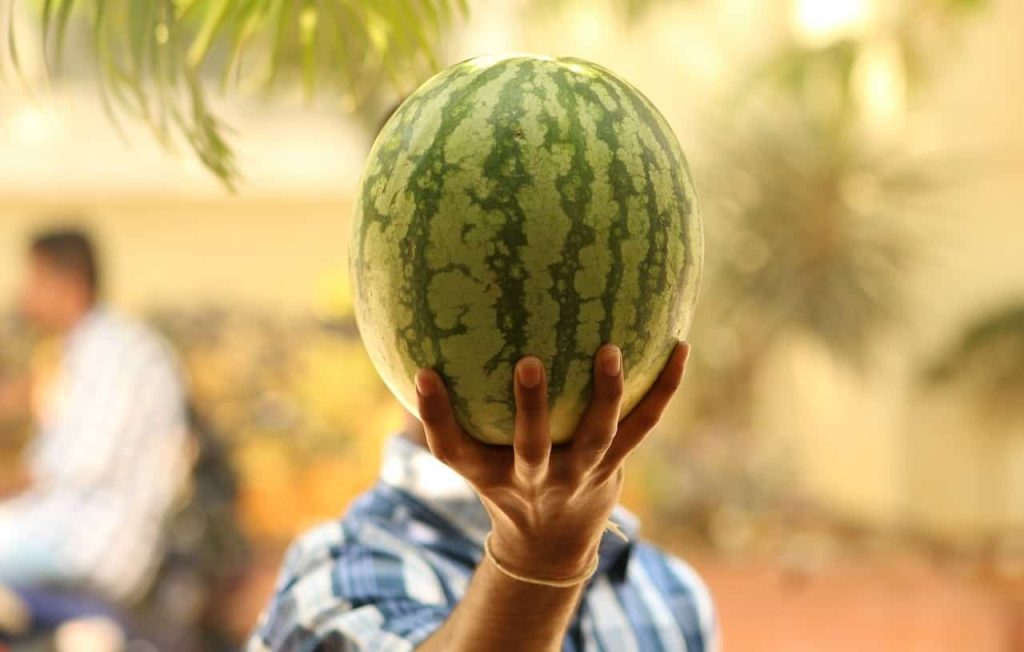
(630, 11)
(810, 214)
(154, 57)
(297, 401)
(14, 346)
(988, 359)
(810, 201)
(15, 362)
(823, 75)
(811, 232)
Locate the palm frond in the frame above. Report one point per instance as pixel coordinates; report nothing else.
(822, 75)
(154, 56)
(988, 359)
(811, 228)
(809, 207)
(630, 11)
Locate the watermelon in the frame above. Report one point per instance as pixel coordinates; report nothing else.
(524, 205)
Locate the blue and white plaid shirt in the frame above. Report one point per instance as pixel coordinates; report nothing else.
(388, 574)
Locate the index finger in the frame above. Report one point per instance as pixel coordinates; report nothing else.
(446, 439)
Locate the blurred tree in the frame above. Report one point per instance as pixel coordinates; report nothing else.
(811, 193)
(986, 363)
(155, 56)
(830, 72)
(629, 10)
(807, 190)
(15, 362)
(988, 359)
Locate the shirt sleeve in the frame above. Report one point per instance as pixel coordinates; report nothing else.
(338, 596)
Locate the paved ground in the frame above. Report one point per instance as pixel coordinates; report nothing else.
(902, 606)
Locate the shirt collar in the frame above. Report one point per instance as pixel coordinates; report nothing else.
(411, 468)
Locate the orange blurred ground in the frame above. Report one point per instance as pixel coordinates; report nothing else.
(874, 606)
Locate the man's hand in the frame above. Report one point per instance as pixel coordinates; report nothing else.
(549, 505)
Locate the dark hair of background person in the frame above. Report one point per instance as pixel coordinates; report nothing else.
(71, 251)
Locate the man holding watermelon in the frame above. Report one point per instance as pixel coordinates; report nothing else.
(517, 214)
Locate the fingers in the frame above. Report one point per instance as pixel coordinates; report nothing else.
(445, 438)
(599, 423)
(532, 439)
(647, 413)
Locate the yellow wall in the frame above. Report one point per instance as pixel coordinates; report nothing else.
(268, 253)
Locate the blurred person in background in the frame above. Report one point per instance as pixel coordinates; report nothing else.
(109, 451)
(463, 546)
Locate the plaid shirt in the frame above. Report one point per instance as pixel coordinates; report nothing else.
(389, 573)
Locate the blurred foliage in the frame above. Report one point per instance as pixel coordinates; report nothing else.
(808, 202)
(15, 361)
(298, 402)
(823, 75)
(15, 350)
(809, 235)
(292, 401)
(154, 56)
(810, 214)
(630, 11)
(988, 359)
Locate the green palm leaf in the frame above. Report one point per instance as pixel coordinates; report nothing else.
(154, 56)
(988, 359)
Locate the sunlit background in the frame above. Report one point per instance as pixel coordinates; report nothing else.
(846, 463)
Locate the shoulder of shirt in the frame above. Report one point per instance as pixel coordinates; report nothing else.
(380, 520)
(110, 322)
(310, 549)
(114, 333)
(328, 582)
(372, 509)
(686, 584)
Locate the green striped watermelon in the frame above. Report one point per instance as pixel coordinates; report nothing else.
(519, 205)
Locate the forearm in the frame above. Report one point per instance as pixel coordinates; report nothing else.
(501, 613)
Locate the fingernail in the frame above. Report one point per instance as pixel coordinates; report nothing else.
(611, 361)
(528, 372)
(684, 354)
(423, 386)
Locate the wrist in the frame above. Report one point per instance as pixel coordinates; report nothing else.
(540, 557)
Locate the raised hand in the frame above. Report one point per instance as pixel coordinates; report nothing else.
(549, 505)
